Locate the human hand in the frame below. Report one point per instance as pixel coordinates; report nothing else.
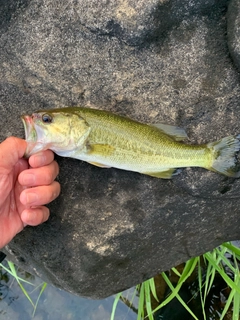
(25, 186)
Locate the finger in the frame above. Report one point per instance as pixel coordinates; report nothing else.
(35, 216)
(11, 150)
(41, 195)
(41, 159)
(7, 183)
(39, 176)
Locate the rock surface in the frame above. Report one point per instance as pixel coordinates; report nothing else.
(154, 61)
(234, 31)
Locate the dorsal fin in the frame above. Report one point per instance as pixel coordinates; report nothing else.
(176, 133)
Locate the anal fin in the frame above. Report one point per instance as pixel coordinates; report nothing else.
(97, 164)
(167, 174)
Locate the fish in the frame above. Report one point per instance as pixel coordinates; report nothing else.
(105, 139)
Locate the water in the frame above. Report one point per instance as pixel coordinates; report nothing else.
(54, 304)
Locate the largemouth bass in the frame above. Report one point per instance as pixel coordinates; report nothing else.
(108, 140)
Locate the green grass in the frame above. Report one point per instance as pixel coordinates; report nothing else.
(215, 262)
(11, 269)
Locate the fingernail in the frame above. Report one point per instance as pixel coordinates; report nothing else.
(31, 198)
(28, 179)
(38, 159)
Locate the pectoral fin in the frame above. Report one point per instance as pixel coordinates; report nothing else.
(101, 149)
(178, 134)
(162, 174)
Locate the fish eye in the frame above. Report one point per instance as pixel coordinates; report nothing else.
(46, 118)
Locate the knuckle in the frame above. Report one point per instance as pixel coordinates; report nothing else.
(49, 156)
(45, 214)
(52, 172)
(48, 178)
(57, 167)
(56, 190)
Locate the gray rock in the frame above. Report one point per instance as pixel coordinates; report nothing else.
(234, 31)
(154, 61)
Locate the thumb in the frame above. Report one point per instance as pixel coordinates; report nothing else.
(11, 150)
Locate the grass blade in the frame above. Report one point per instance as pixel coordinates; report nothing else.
(200, 281)
(41, 292)
(188, 269)
(226, 278)
(153, 288)
(13, 273)
(148, 300)
(179, 298)
(232, 249)
(141, 303)
(116, 300)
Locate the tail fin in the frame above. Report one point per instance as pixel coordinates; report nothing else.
(224, 156)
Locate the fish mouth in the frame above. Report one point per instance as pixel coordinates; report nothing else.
(30, 134)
